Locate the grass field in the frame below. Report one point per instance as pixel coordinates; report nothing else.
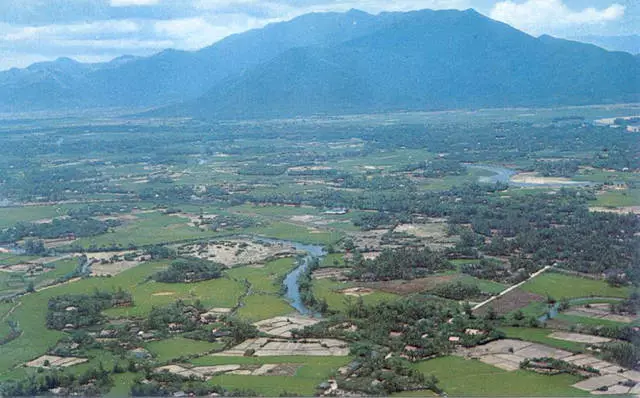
(561, 286)
(537, 335)
(460, 377)
(263, 306)
(313, 371)
(266, 279)
(165, 350)
(148, 229)
(122, 384)
(11, 215)
(297, 233)
(332, 260)
(630, 197)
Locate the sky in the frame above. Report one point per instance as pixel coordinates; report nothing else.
(100, 30)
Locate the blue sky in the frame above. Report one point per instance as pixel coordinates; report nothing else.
(99, 30)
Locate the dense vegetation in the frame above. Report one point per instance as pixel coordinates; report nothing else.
(189, 270)
(81, 310)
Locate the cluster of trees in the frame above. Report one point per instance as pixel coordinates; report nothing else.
(91, 383)
(165, 384)
(58, 228)
(553, 366)
(188, 270)
(458, 291)
(82, 310)
(379, 376)
(557, 168)
(630, 305)
(400, 263)
(230, 221)
(182, 316)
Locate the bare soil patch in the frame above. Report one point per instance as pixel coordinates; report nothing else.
(511, 301)
(330, 273)
(112, 263)
(412, 286)
(55, 361)
(283, 325)
(237, 252)
(164, 294)
(280, 347)
(357, 291)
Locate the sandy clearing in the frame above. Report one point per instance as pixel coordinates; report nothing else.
(273, 347)
(238, 251)
(535, 178)
(55, 361)
(357, 291)
(163, 294)
(432, 231)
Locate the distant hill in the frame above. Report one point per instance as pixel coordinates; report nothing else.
(630, 43)
(340, 62)
(172, 76)
(425, 60)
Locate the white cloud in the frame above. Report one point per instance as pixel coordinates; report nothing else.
(548, 16)
(49, 32)
(127, 3)
(195, 33)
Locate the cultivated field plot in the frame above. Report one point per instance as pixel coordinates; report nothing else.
(282, 326)
(264, 347)
(278, 369)
(599, 311)
(512, 301)
(507, 354)
(55, 361)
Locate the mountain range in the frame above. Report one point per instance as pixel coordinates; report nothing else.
(327, 63)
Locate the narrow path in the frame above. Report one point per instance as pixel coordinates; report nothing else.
(509, 289)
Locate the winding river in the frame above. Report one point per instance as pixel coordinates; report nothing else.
(291, 280)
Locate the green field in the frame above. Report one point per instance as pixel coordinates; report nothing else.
(148, 229)
(332, 260)
(460, 377)
(561, 286)
(262, 306)
(313, 371)
(12, 215)
(266, 279)
(165, 350)
(297, 233)
(629, 197)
